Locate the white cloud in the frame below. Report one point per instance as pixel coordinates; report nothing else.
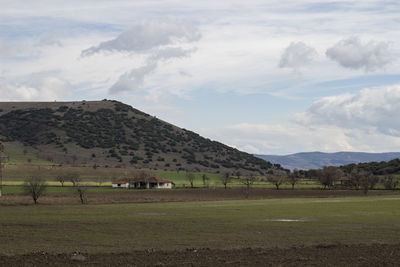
(170, 52)
(296, 55)
(376, 108)
(147, 35)
(49, 39)
(39, 88)
(158, 41)
(364, 121)
(288, 138)
(282, 138)
(352, 53)
(133, 80)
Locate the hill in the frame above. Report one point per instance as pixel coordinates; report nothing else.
(377, 168)
(317, 160)
(110, 133)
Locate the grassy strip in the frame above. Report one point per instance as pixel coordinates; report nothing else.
(219, 224)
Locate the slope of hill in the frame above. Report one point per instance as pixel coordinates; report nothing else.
(110, 133)
(316, 160)
(377, 168)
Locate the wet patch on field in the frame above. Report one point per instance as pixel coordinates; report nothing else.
(286, 220)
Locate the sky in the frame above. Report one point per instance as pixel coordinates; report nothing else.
(266, 77)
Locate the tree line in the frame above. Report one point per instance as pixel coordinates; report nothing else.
(329, 177)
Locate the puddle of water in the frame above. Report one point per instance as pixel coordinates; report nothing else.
(151, 213)
(285, 220)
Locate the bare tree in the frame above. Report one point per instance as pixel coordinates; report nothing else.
(142, 175)
(100, 180)
(35, 187)
(74, 178)
(329, 175)
(190, 177)
(81, 190)
(248, 182)
(389, 182)
(357, 177)
(225, 179)
(206, 180)
(1, 167)
(61, 178)
(368, 181)
(294, 177)
(277, 178)
(373, 181)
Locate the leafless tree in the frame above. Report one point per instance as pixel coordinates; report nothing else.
(190, 177)
(277, 178)
(81, 190)
(35, 187)
(225, 179)
(74, 178)
(206, 180)
(357, 177)
(367, 181)
(294, 177)
(2, 160)
(248, 182)
(61, 178)
(100, 180)
(142, 175)
(329, 175)
(389, 182)
(373, 181)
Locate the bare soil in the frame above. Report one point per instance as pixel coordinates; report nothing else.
(320, 255)
(181, 195)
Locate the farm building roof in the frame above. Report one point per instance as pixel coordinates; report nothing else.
(121, 181)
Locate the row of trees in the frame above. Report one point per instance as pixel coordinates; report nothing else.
(329, 177)
(35, 186)
(278, 177)
(355, 178)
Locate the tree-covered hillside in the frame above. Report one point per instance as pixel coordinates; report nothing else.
(377, 168)
(114, 134)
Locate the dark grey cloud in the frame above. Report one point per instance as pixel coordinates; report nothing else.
(352, 53)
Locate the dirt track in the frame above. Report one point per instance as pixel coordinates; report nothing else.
(197, 194)
(322, 255)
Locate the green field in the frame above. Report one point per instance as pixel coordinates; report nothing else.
(16, 174)
(212, 224)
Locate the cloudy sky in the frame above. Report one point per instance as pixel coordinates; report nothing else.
(268, 77)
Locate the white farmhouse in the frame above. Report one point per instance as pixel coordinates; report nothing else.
(121, 183)
(148, 183)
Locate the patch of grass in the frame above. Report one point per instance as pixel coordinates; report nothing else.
(217, 224)
(19, 155)
(19, 189)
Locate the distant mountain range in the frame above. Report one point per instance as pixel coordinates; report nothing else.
(316, 160)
